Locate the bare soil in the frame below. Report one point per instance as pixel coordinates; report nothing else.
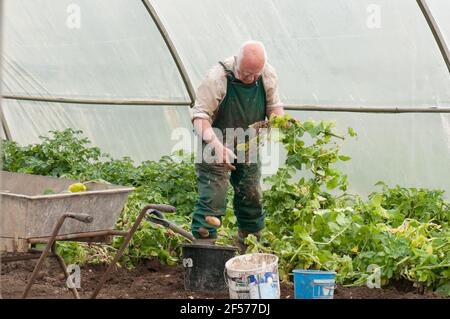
(151, 280)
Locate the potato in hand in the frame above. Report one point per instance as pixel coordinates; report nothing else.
(213, 221)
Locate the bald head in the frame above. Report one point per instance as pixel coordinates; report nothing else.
(251, 61)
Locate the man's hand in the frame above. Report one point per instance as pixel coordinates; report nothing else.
(275, 112)
(224, 155)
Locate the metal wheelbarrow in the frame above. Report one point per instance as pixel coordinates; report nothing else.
(27, 217)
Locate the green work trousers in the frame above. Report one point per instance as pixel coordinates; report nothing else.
(212, 201)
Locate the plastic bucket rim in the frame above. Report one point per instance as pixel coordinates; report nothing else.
(313, 272)
(271, 267)
(305, 283)
(258, 269)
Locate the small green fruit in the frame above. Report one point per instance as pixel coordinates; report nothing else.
(77, 187)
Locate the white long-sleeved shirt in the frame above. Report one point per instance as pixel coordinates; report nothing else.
(213, 89)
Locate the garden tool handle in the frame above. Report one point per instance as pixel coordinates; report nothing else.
(85, 218)
(181, 231)
(161, 220)
(162, 208)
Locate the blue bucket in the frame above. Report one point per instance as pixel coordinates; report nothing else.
(314, 284)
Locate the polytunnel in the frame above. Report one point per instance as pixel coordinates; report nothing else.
(125, 73)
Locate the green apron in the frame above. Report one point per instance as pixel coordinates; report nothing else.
(243, 105)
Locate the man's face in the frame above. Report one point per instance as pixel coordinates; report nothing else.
(249, 72)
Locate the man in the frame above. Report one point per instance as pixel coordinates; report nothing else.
(235, 94)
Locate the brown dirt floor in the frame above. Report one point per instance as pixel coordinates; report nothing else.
(151, 280)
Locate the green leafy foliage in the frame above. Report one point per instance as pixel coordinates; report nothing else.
(312, 222)
(61, 153)
(402, 232)
(72, 252)
(422, 204)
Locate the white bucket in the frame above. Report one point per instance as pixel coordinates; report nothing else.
(253, 276)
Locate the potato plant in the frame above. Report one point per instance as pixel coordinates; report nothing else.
(312, 221)
(403, 233)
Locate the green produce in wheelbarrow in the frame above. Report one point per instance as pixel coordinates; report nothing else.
(77, 187)
(235, 94)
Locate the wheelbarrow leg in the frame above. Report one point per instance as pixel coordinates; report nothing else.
(126, 241)
(119, 253)
(81, 217)
(63, 266)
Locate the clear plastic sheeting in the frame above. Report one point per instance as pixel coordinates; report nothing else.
(374, 53)
(410, 150)
(441, 10)
(326, 52)
(2, 133)
(87, 49)
(140, 132)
